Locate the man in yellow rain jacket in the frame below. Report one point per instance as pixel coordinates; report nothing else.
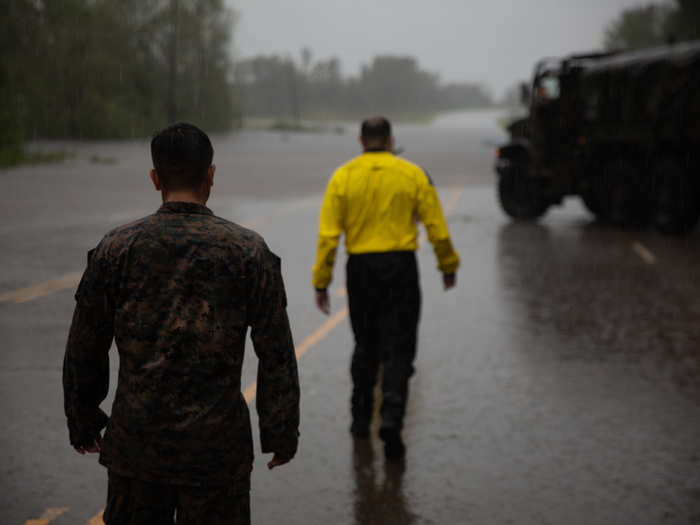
(375, 200)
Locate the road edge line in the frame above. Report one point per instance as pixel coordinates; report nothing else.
(644, 253)
(309, 341)
(48, 516)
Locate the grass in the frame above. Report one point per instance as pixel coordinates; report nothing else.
(290, 126)
(325, 122)
(18, 157)
(97, 159)
(14, 157)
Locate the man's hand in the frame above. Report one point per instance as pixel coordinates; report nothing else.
(323, 301)
(92, 449)
(449, 280)
(278, 460)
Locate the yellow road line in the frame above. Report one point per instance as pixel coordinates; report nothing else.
(325, 328)
(47, 517)
(96, 519)
(313, 338)
(454, 199)
(645, 253)
(249, 393)
(71, 280)
(35, 291)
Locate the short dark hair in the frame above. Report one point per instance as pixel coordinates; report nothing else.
(182, 154)
(375, 129)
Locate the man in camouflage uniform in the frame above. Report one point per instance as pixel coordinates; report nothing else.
(177, 291)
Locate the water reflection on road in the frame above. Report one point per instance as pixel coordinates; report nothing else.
(378, 496)
(558, 383)
(591, 298)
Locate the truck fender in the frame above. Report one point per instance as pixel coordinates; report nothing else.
(514, 154)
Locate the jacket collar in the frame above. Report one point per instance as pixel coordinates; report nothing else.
(376, 150)
(184, 207)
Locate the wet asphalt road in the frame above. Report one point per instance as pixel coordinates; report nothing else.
(558, 383)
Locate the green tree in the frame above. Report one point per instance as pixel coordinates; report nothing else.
(654, 24)
(202, 79)
(395, 85)
(269, 84)
(638, 27)
(102, 68)
(276, 87)
(684, 22)
(17, 31)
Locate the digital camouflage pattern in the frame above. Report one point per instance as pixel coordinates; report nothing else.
(177, 290)
(135, 502)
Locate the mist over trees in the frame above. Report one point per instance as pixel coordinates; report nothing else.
(99, 69)
(274, 86)
(654, 24)
(112, 68)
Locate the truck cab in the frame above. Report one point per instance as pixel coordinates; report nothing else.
(619, 130)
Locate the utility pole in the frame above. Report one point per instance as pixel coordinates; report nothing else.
(294, 92)
(171, 105)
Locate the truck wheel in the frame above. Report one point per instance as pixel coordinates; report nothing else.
(520, 196)
(621, 197)
(590, 201)
(677, 202)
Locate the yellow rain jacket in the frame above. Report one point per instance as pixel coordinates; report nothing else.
(376, 199)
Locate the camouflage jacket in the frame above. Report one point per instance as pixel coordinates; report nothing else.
(177, 291)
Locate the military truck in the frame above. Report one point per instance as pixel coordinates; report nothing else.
(619, 130)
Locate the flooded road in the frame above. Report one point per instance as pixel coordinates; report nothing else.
(558, 383)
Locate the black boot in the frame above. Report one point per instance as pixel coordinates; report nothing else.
(394, 449)
(361, 410)
(359, 428)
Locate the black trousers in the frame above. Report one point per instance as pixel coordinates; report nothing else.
(135, 502)
(384, 299)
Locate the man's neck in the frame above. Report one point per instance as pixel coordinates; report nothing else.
(184, 196)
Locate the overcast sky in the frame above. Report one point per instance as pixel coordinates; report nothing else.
(491, 41)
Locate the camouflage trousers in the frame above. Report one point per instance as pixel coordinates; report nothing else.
(135, 502)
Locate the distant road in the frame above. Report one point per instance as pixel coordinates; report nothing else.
(558, 383)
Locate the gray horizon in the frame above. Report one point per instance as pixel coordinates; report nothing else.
(494, 43)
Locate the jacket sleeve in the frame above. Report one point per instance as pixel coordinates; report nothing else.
(277, 397)
(331, 225)
(86, 361)
(431, 215)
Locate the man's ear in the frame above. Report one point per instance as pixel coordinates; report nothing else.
(155, 180)
(390, 143)
(210, 175)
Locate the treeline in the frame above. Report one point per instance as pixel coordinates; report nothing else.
(97, 69)
(112, 68)
(654, 24)
(650, 25)
(280, 87)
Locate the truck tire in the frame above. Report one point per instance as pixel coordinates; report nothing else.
(590, 201)
(520, 196)
(621, 195)
(677, 201)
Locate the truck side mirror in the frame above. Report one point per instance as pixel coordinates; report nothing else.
(525, 94)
